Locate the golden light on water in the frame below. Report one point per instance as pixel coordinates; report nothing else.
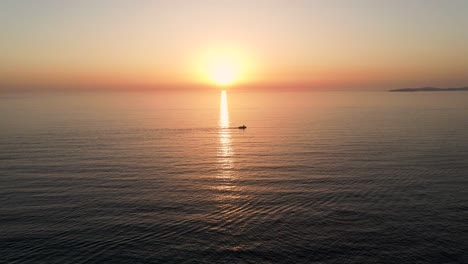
(225, 150)
(223, 111)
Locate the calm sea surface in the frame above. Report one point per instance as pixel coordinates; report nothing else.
(350, 177)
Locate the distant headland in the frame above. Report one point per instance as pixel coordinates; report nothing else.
(430, 89)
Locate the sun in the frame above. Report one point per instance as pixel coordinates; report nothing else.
(223, 67)
(223, 73)
(224, 70)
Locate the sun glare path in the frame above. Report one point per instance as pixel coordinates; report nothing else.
(223, 111)
(225, 150)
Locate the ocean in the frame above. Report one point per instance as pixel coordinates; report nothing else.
(167, 177)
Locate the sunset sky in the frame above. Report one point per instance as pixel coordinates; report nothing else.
(277, 44)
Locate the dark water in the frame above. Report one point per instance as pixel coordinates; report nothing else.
(164, 178)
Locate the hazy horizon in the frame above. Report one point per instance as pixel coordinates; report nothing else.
(308, 45)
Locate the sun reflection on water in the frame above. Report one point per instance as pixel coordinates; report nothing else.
(223, 111)
(228, 192)
(225, 150)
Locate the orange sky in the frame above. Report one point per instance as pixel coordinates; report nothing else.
(281, 44)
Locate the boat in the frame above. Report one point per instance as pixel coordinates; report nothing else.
(242, 127)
